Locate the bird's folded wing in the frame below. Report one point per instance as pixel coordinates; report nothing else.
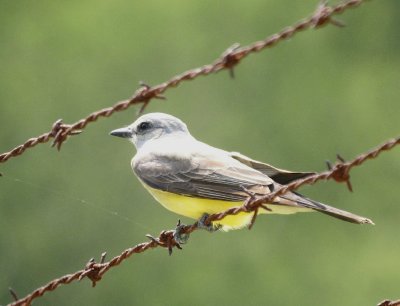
(203, 177)
(278, 175)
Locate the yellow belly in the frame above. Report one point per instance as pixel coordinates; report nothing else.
(195, 208)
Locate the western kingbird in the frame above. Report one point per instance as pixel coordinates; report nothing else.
(192, 178)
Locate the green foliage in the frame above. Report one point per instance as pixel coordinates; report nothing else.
(322, 92)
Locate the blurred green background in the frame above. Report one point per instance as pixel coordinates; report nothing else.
(320, 93)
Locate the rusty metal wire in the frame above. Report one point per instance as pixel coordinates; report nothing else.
(95, 271)
(228, 60)
(339, 172)
(389, 303)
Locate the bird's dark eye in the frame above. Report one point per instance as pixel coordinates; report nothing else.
(144, 126)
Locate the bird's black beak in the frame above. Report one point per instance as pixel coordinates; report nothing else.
(122, 132)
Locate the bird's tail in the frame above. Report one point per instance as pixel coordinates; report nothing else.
(301, 201)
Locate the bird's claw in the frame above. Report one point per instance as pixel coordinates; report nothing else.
(179, 236)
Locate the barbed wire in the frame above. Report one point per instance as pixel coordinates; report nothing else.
(60, 131)
(389, 303)
(167, 238)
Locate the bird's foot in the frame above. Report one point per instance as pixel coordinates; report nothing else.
(180, 236)
(202, 223)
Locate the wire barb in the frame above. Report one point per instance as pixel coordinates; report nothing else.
(340, 172)
(60, 133)
(229, 59)
(13, 294)
(323, 15)
(92, 270)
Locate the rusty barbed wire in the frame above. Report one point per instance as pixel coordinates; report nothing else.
(389, 303)
(339, 172)
(167, 238)
(228, 60)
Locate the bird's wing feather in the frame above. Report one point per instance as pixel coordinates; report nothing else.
(221, 177)
(213, 177)
(280, 176)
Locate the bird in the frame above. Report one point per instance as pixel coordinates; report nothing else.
(195, 180)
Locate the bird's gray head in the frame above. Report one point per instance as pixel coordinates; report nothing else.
(151, 126)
